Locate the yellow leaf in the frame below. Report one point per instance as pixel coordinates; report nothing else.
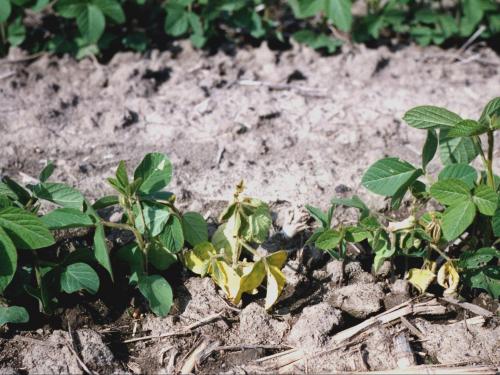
(275, 284)
(198, 259)
(217, 272)
(233, 282)
(252, 277)
(277, 258)
(448, 278)
(420, 278)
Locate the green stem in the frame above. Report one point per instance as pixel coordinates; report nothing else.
(2, 32)
(440, 252)
(489, 170)
(121, 226)
(248, 248)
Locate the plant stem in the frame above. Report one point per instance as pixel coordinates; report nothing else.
(440, 252)
(248, 248)
(489, 170)
(121, 226)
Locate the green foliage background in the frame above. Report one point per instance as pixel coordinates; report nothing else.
(84, 27)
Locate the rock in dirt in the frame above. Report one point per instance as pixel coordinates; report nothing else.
(358, 300)
(459, 343)
(314, 324)
(7, 371)
(53, 356)
(400, 292)
(258, 327)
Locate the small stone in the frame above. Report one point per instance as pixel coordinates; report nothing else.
(314, 325)
(384, 270)
(358, 300)
(95, 354)
(400, 286)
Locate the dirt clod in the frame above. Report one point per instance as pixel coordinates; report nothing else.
(358, 300)
(315, 323)
(258, 327)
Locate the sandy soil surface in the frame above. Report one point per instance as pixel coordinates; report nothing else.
(303, 144)
(298, 128)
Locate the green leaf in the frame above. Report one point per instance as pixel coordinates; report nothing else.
(462, 172)
(112, 9)
(487, 278)
(132, 255)
(25, 229)
(306, 8)
(430, 147)
(8, 260)
(195, 228)
(457, 218)
(46, 172)
(122, 175)
(172, 236)
(91, 23)
(387, 176)
(79, 276)
(486, 199)
(382, 249)
(70, 8)
(156, 172)
(63, 218)
(60, 194)
(478, 258)
(13, 314)
(495, 221)
(450, 191)
(318, 215)
(317, 40)
(491, 109)
(177, 21)
(101, 250)
(354, 202)
(258, 225)
(456, 150)
(430, 117)
(155, 218)
(109, 200)
(20, 193)
(5, 10)
(328, 240)
(158, 293)
(160, 257)
(467, 128)
(16, 32)
(339, 12)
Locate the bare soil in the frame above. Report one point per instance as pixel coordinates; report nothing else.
(298, 128)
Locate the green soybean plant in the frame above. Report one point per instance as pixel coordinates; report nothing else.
(160, 231)
(462, 235)
(28, 267)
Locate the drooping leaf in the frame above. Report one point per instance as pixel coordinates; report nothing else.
(430, 148)
(488, 279)
(450, 191)
(109, 200)
(157, 292)
(16, 191)
(382, 248)
(101, 250)
(63, 218)
(132, 255)
(160, 257)
(448, 278)
(60, 194)
(354, 202)
(79, 276)
(13, 314)
(195, 228)
(430, 117)
(155, 170)
(198, 259)
(387, 176)
(457, 218)
(5, 10)
(275, 283)
(25, 229)
(421, 278)
(486, 199)
(8, 260)
(463, 172)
